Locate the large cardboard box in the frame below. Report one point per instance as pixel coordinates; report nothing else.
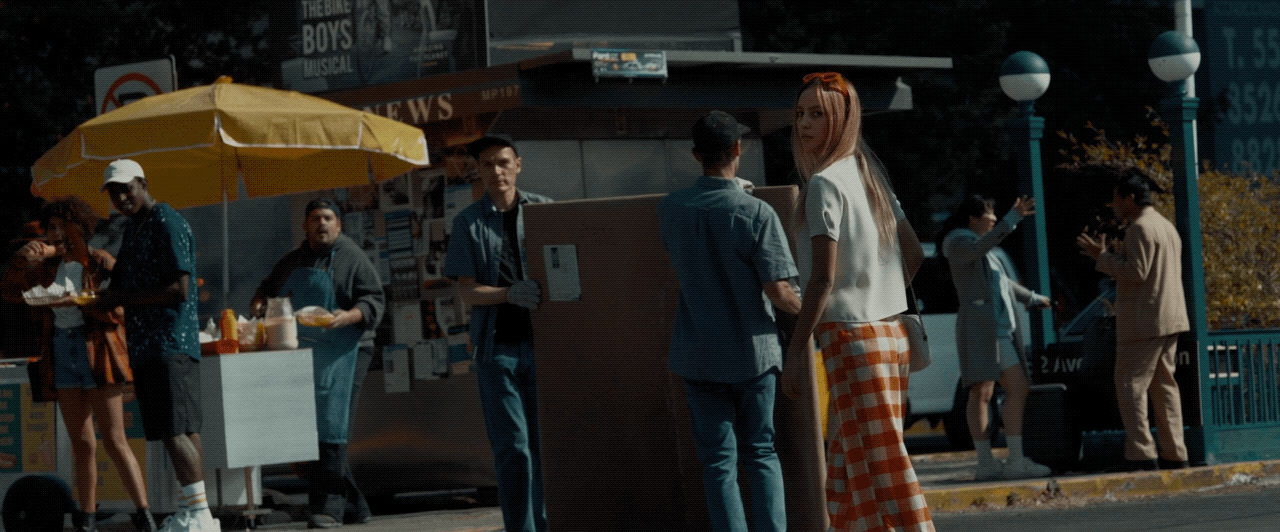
(617, 452)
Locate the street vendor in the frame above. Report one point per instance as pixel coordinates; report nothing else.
(329, 270)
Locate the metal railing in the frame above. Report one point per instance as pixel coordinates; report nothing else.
(1241, 382)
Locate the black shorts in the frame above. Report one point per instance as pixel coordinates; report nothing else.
(168, 389)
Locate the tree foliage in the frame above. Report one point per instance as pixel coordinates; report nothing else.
(955, 141)
(51, 49)
(1240, 221)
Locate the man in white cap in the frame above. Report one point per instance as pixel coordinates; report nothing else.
(155, 281)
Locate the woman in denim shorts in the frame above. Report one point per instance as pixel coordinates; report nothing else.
(85, 350)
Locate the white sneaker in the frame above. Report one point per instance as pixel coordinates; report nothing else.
(1023, 467)
(188, 521)
(989, 470)
(178, 522)
(203, 521)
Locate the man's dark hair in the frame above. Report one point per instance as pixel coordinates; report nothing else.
(1125, 180)
(478, 146)
(714, 136)
(717, 159)
(323, 203)
(1133, 182)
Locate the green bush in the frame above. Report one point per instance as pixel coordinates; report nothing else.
(1239, 217)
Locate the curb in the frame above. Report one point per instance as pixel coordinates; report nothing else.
(1108, 486)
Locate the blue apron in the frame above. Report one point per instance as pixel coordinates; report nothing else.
(333, 351)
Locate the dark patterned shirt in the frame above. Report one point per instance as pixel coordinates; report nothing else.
(154, 252)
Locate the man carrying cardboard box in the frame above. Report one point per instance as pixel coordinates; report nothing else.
(725, 247)
(487, 258)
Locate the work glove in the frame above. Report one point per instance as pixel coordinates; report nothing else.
(525, 293)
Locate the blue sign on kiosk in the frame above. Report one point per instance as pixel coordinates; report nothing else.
(610, 63)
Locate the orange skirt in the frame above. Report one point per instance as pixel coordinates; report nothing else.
(871, 484)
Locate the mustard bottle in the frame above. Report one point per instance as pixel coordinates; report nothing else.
(230, 329)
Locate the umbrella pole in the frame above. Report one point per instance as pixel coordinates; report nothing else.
(226, 252)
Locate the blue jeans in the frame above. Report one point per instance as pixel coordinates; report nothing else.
(509, 397)
(728, 418)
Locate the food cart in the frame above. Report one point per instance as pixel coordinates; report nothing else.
(258, 409)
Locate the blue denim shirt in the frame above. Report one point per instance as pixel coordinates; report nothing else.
(475, 247)
(724, 245)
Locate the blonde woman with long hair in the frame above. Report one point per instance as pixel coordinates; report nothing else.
(856, 253)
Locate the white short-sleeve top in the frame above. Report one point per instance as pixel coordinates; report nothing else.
(868, 284)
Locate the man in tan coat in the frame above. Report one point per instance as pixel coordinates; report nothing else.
(1150, 312)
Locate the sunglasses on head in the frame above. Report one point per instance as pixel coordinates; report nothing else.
(830, 80)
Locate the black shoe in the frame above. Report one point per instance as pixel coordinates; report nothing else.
(1134, 465)
(1173, 464)
(84, 521)
(359, 518)
(143, 520)
(358, 512)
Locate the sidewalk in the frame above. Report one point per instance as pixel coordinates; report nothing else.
(947, 479)
(948, 486)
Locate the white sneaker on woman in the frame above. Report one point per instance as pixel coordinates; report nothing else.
(1022, 467)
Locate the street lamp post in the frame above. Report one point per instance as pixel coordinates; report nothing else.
(1174, 58)
(1024, 76)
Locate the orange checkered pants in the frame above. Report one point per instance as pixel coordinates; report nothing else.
(870, 482)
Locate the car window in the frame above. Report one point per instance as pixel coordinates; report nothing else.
(1097, 310)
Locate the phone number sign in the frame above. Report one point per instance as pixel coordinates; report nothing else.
(1243, 58)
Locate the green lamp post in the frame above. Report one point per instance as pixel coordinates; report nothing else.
(1024, 77)
(1174, 57)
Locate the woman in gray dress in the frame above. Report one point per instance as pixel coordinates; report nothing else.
(988, 328)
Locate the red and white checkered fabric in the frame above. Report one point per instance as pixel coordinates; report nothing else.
(870, 482)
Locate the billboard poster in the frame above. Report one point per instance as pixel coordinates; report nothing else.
(343, 44)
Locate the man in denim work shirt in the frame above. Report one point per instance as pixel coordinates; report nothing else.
(486, 257)
(726, 246)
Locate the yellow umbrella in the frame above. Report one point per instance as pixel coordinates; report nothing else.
(199, 145)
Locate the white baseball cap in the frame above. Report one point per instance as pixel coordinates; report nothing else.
(122, 171)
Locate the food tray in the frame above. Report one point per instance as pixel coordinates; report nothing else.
(43, 301)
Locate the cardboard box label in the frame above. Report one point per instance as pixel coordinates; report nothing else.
(562, 272)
